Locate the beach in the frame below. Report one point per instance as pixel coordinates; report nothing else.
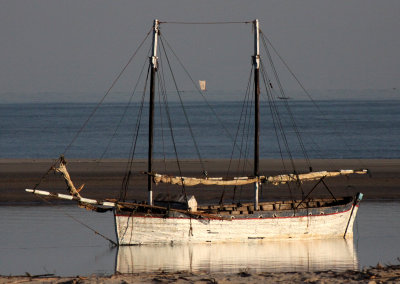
(372, 275)
(103, 179)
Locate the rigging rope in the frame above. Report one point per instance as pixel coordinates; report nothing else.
(294, 125)
(202, 95)
(165, 101)
(307, 93)
(338, 133)
(47, 173)
(162, 90)
(269, 86)
(203, 23)
(126, 108)
(247, 125)
(199, 91)
(128, 170)
(173, 141)
(161, 120)
(106, 94)
(275, 120)
(236, 138)
(77, 220)
(183, 107)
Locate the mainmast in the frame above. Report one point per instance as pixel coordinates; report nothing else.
(153, 63)
(256, 62)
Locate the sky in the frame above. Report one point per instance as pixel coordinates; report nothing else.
(79, 47)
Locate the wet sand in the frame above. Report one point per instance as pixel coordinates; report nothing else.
(378, 274)
(104, 179)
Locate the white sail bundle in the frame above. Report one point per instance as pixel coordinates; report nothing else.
(275, 180)
(191, 181)
(283, 179)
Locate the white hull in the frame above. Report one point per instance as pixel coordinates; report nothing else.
(136, 230)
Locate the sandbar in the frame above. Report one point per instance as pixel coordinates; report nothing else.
(378, 274)
(103, 179)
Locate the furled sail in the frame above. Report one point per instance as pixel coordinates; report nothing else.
(275, 180)
(191, 181)
(62, 168)
(282, 179)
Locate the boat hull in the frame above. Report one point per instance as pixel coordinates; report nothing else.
(328, 222)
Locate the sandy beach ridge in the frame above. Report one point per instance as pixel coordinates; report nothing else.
(378, 274)
(103, 179)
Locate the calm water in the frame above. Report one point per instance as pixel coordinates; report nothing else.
(339, 129)
(43, 240)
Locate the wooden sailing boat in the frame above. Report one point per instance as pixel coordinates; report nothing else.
(180, 221)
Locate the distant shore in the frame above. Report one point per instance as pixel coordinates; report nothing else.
(104, 179)
(378, 274)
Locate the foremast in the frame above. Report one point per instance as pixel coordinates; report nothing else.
(153, 64)
(256, 63)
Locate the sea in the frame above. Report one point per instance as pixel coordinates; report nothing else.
(315, 129)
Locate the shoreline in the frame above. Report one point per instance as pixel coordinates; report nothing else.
(377, 274)
(103, 179)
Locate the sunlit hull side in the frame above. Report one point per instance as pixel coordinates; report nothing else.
(316, 223)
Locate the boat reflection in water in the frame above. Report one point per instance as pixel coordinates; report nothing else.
(272, 256)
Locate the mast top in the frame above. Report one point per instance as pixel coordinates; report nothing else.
(256, 57)
(156, 24)
(156, 29)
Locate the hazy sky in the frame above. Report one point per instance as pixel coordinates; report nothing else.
(80, 46)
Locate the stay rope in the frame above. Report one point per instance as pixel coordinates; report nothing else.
(106, 94)
(204, 23)
(129, 166)
(77, 220)
(338, 133)
(164, 94)
(161, 90)
(126, 108)
(245, 100)
(183, 107)
(221, 123)
(285, 102)
(276, 121)
(95, 109)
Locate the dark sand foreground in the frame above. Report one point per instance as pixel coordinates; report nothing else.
(379, 274)
(104, 179)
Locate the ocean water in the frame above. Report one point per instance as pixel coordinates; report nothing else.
(333, 129)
